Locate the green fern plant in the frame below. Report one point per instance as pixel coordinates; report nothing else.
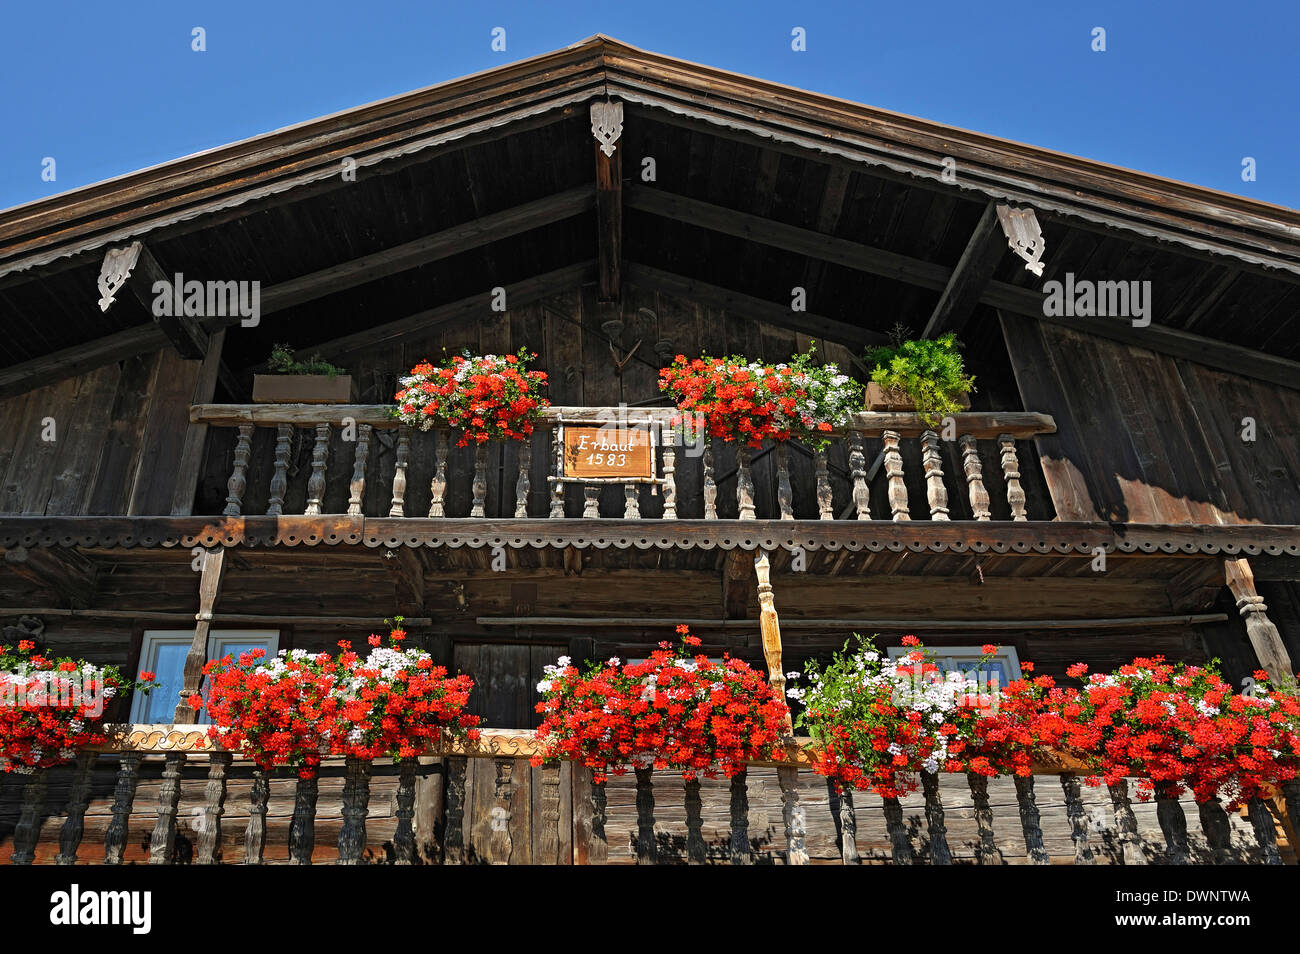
(282, 361)
(928, 370)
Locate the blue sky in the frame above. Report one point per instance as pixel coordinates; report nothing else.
(1184, 89)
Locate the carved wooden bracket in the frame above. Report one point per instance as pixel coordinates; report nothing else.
(607, 124)
(1024, 235)
(116, 269)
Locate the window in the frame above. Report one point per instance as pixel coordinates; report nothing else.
(163, 653)
(966, 659)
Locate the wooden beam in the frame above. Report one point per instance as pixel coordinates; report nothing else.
(64, 572)
(826, 329)
(79, 359)
(928, 623)
(183, 331)
(609, 206)
(196, 436)
(214, 561)
(1264, 637)
(970, 278)
(422, 251)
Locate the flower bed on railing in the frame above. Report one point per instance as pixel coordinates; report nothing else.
(299, 707)
(486, 397)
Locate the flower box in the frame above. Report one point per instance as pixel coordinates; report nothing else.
(302, 389)
(896, 399)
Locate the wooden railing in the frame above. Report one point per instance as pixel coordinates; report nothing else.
(732, 465)
(509, 749)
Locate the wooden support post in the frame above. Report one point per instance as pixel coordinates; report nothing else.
(78, 801)
(784, 492)
(792, 813)
(741, 851)
(196, 435)
(647, 850)
(894, 474)
(1264, 637)
(128, 777)
(1291, 794)
(316, 482)
(900, 844)
(631, 503)
(163, 841)
(404, 833)
(479, 506)
(398, 506)
(438, 483)
(591, 501)
(454, 838)
(669, 486)
(598, 852)
(974, 470)
(858, 467)
(356, 806)
(846, 821)
(548, 844)
(1029, 823)
(500, 843)
(1218, 833)
(557, 488)
(824, 504)
(255, 833)
(1261, 819)
(1078, 820)
(710, 489)
(302, 828)
(28, 830)
(935, 492)
(280, 476)
(607, 127)
(695, 850)
(1011, 473)
(214, 806)
(238, 481)
(357, 486)
(214, 561)
(523, 484)
(1126, 822)
(744, 482)
(940, 854)
(987, 851)
(1173, 824)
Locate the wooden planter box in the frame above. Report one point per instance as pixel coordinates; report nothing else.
(895, 399)
(302, 389)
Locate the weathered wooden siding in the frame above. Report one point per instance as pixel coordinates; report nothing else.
(118, 432)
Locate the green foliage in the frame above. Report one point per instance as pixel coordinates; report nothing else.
(929, 371)
(282, 362)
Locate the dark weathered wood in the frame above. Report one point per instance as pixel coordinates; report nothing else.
(1029, 821)
(128, 777)
(523, 484)
(784, 492)
(647, 849)
(302, 828)
(740, 850)
(404, 834)
(80, 359)
(356, 806)
(163, 841)
(548, 841)
(974, 471)
(846, 821)
(696, 853)
(190, 465)
(454, 837)
(894, 474)
(825, 509)
(78, 801)
(501, 845)
(255, 833)
(598, 853)
(900, 844)
(1218, 833)
(709, 489)
(357, 486)
(65, 572)
(397, 508)
(1261, 819)
(1291, 794)
(745, 482)
(792, 814)
(238, 482)
(477, 509)
(210, 581)
(28, 829)
(1078, 820)
(438, 484)
(986, 851)
(214, 806)
(1126, 823)
(316, 482)
(940, 854)
(1173, 824)
(609, 222)
(971, 276)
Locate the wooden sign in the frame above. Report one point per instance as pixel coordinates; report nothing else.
(607, 452)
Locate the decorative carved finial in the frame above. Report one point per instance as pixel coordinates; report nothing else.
(1024, 235)
(607, 124)
(116, 269)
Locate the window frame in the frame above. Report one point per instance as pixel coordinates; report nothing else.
(940, 655)
(217, 639)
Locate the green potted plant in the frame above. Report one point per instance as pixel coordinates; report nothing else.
(301, 381)
(925, 375)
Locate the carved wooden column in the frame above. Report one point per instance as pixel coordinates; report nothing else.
(1218, 833)
(280, 476)
(128, 777)
(404, 833)
(479, 506)
(438, 483)
(214, 806)
(398, 506)
(302, 828)
(523, 485)
(792, 813)
(744, 481)
(255, 833)
(1078, 820)
(894, 474)
(858, 468)
(357, 486)
(1029, 823)
(900, 845)
(669, 486)
(238, 481)
(695, 850)
(1011, 472)
(987, 851)
(163, 840)
(591, 501)
(932, 462)
(1173, 824)
(316, 482)
(598, 852)
(824, 497)
(214, 561)
(454, 853)
(549, 840)
(1126, 822)
(940, 854)
(1264, 637)
(647, 850)
(557, 488)
(784, 492)
(28, 829)
(1265, 830)
(631, 501)
(973, 468)
(74, 825)
(710, 489)
(356, 806)
(501, 845)
(741, 852)
(846, 821)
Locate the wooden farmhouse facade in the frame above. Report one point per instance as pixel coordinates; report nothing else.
(1120, 486)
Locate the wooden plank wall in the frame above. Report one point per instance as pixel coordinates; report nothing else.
(118, 432)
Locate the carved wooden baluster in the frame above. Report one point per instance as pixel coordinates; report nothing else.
(280, 476)
(598, 853)
(398, 506)
(500, 843)
(356, 806)
(357, 487)
(438, 484)
(647, 850)
(841, 805)
(128, 777)
(1261, 819)
(1218, 833)
(745, 481)
(454, 838)
(591, 501)
(784, 492)
(549, 840)
(792, 813)
(1173, 824)
(214, 806)
(78, 801)
(163, 840)
(900, 843)
(894, 473)
(404, 833)
(479, 507)
(1078, 820)
(28, 829)
(1011, 471)
(858, 467)
(238, 481)
(987, 851)
(523, 485)
(824, 497)
(974, 470)
(696, 853)
(710, 485)
(940, 854)
(931, 461)
(255, 833)
(316, 483)
(302, 829)
(557, 489)
(741, 853)
(1126, 823)
(1029, 823)
(670, 477)
(632, 502)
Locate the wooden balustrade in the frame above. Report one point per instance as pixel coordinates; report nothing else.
(509, 750)
(762, 483)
